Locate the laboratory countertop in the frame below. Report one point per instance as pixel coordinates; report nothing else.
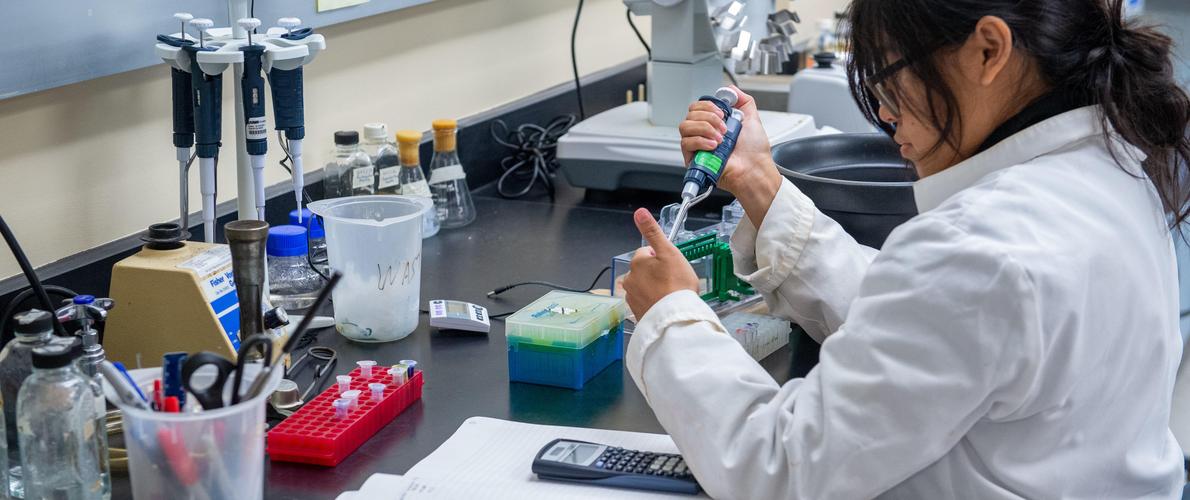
(566, 241)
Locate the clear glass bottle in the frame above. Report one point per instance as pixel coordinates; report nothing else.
(351, 172)
(56, 426)
(101, 451)
(448, 180)
(332, 175)
(413, 181)
(292, 284)
(34, 328)
(316, 245)
(375, 137)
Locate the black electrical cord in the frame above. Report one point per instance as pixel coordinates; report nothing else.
(648, 51)
(30, 275)
(578, 88)
(534, 157)
(27, 292)
(556, 286)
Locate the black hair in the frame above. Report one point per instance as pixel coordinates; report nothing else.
(1085, 49)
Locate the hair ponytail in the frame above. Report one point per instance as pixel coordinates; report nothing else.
(1083, 48)
(1132, 78)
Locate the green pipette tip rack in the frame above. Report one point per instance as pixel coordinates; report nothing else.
(725, 285)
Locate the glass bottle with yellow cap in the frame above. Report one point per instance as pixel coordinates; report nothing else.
(448, 181)
(413, 181)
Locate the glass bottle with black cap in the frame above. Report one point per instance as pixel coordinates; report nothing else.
(34, 328)
(56, 424)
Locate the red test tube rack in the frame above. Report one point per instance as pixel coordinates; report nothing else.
(313, 435)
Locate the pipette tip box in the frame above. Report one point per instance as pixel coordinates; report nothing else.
(313, 435)
(564, 339)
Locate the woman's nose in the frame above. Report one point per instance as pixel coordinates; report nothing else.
(886, 116)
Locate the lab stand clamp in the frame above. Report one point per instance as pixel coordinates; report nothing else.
(280, 53)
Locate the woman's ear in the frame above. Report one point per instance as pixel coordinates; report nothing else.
(985, 54)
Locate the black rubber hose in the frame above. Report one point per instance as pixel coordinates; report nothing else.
(6, 334)
(30, 274)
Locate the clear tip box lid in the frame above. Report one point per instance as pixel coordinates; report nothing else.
(566, 319)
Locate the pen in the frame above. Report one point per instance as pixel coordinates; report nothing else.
(124, 372)
(124, 389)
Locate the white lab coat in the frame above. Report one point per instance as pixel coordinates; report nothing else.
(1017, 339)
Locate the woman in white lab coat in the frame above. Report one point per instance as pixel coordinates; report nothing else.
(1016, 339)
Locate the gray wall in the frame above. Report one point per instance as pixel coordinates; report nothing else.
(1174, 15)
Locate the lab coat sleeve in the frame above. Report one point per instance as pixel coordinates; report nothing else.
(921, 357)
(804, 264)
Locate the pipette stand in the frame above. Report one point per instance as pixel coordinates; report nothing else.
(279, 52)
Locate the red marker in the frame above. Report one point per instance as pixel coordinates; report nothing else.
(157, 401)
(178, 456)
(171, 405)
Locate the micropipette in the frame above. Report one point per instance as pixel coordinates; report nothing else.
(208, 95)
(288, 108)
(183, 127)
(255, 129)
(705, 168)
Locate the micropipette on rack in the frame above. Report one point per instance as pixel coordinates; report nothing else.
(705, 168)
(208, 96)
(183, 118)
(288, 108)
(255, 129)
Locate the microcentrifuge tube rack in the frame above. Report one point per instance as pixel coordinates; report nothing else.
(313, 435)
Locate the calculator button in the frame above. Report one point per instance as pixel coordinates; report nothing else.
(681, 468)
(619, 467)
(599, 464)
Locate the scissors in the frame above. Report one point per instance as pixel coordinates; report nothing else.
(211, 396)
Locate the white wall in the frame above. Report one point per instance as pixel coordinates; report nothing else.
(92, 162)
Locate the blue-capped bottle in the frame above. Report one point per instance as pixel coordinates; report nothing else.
(293, 285)
(56, 425)
(316, 244)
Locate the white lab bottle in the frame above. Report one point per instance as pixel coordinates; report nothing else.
(56, 426)
(448, 180)
(375, 137)
(383, 153)
(413, 180)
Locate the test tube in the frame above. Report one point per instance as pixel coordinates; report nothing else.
(344, 383)
(352, 397)
(341, 406)
(365, 368)
(400, 374)
(411, 364)
(377, 391)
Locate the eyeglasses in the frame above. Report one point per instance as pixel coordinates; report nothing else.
(885, 95)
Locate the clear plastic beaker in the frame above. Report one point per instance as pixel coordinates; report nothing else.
(215, 453)
(375, 242)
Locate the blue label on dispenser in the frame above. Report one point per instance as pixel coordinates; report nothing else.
(230, 319)
(213, 267)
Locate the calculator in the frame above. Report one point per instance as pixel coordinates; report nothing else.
(458, 315)
(603, 465)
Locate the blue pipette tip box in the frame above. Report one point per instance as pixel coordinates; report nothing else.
(564, 339)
